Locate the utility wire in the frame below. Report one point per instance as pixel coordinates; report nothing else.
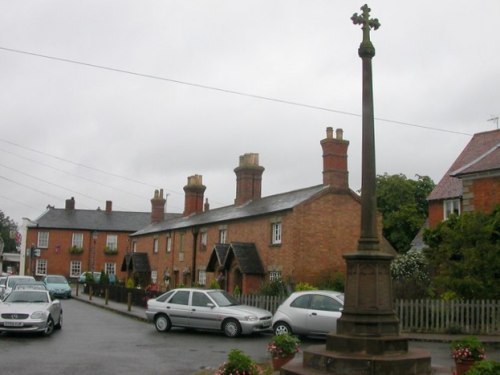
(227, 91)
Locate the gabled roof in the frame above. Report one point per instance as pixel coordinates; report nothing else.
(136, 262)
(217, 257)
(115, 221)
(266, 205)
(487, 162)
(245, 255)
(480, 144)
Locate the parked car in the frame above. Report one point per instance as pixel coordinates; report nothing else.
(31, 285)
(3, 279)
(313, 312)
(12, 280)
(96, 277)
(210, 309)
(58, 286)
(30, 311)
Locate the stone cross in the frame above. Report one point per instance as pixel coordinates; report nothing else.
(366, 48)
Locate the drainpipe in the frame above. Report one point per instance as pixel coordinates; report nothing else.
(195, 231)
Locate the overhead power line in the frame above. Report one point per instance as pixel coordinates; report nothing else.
(227, 91)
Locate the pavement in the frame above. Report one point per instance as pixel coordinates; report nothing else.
(139, 313)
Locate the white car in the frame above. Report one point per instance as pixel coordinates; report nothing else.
(210, 309)
(313, 312)
(12, 280)
(30, 311)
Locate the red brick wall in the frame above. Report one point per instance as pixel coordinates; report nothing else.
(486, 194)
(58, 255)
(435, 213)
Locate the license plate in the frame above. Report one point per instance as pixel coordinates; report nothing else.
(13, 324)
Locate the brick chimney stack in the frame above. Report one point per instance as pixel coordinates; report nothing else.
(248, 179)
(157, 207)
(194, 190)
(335, 171)
(109, 206)
(70, 204)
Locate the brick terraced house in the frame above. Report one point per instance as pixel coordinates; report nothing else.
(472, 183)
(72, 241)
(297, 236)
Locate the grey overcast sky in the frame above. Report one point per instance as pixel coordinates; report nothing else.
(112, 99)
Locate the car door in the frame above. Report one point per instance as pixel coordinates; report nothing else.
(323, 314)
(178, 308)
(203, 312)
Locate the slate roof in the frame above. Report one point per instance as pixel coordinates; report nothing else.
(136, 262)
(266, 205)
(114, 221)
(487, 162)
(479, 145)
(245, 254)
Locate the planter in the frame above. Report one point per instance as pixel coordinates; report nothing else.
(281, 361)
(463, 366)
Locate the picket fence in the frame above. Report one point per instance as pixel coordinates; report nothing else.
(425, 315)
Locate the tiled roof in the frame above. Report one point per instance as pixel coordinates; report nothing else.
(117, 221)
(245, 254)
(136, 262)
(270, 204)
(489, 161)
(480, 144)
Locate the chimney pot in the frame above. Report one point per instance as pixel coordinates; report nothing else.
(335, 172)
(109, 206)
(248, 179)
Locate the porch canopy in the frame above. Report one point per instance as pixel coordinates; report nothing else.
(136, 262)
(244, 254)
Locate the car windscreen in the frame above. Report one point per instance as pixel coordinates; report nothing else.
(13, 281)
(20, 296)
(223, 298)
(55, 280)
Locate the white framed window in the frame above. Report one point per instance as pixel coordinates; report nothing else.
(110, 268)
(169, 244)
(276, 233)
(204, 239)
(43, 240)
(77, 240)
(154, 277)
(222, 235)
(155, 245)
(75, 268)
(451, 206)
(112, 241)
(202, 277)
(274, 275)
(134, 247)
(41, 267)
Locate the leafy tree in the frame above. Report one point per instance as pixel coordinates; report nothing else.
(464, 253)
(403, 204)
(410, 275)
(7, 225)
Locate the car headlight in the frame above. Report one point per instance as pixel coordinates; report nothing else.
(38, 315)
(251, 318)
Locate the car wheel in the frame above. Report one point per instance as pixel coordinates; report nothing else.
(59, 324)
(162, 323)
(49, 328)
(281, 328)
(231, 328)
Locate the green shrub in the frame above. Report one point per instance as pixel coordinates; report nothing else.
(214, 284)
(238, 363)
(274, 288)
(332, 281)
(130, 283)
(89, 278)
(104, 279)
(236, 291)
(486, 367)
(304, 286)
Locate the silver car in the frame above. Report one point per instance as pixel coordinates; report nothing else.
(211, 309)
(30, 311)
(12, 280)
(313, 312)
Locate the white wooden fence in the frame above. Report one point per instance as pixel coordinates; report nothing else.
(425, 315)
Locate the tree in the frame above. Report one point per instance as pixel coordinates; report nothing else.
(8, 226)
(464, 255)
(403, 204)
(410, 275)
